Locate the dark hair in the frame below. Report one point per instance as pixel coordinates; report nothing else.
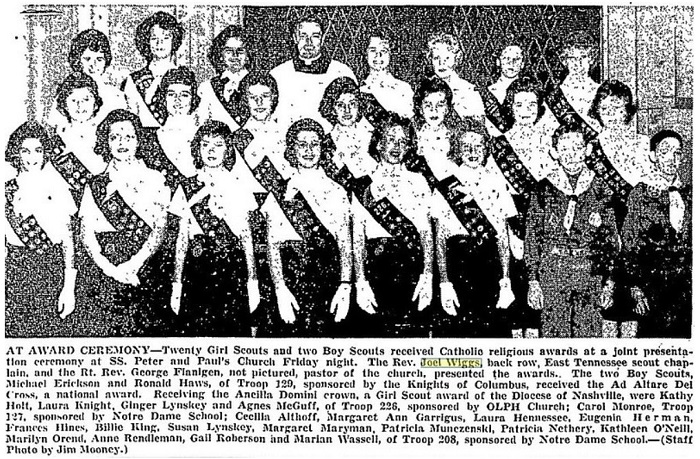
(91, 39)
(216, 50)
(215, 129)
(27, 130)
(253, 79)
(179, 75)
(384, 34)
(580, 40)
(338, 87)
(311, 18)
(456, 134)
(72, 82)
(426, 87)
(523, 84)
(613, 88)
(302, 125)
(387, 122)
(662, 135)
(166, 22)
(567, 129)
(117, 116)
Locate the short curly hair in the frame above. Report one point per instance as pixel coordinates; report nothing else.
(166, 22)
(72, 82)
(215, 54)
(213, 128)
(117, 116)
(179, 75)
(446, 39)
(580, 40)
(91, 39)
(465, 127)
(302, 125)
(27, 130)
(338, 87)
(523, 84)
(613, 88)
(387, 122)
(253, 79)
(427, 87)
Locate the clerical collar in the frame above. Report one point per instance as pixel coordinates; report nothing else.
(316, 67)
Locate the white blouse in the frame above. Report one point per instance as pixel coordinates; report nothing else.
(434, 145)
(352, 147)
(465, 98)
(175, 138)
(210, 107)
(629, 154)
(393, 94)
(532, 146)
(268, 140)
(140, 105)
(80, 140)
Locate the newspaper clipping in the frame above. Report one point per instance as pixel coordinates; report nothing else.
(360, 230)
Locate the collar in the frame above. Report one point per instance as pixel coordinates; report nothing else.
(316, 67)
(158, 68)
(233, 77)
(561, 181)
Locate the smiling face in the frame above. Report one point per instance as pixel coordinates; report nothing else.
(472, 149)
(434, 108)
(511, 61)
(260, 102)
(378, 54)
(394, 145)
(32, 154)
(80, 104)
(161, 43)
(178, 99)
(234, 55)
(213, 150)
(123, 141)
(308, 149)
(443, 58)
(346, 109)
(612, 111)
(525, 108)
(571, 152)
(667, 156)
(309, 38)
(93, 63)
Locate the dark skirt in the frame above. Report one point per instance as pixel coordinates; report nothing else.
(474, 270)
(33, 282)
(311, 271)
(520, 315)
(393, 268)
(214, 292)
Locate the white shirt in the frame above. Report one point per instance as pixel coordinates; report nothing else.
(465, 98)
(141, 188)
(45, 195)
(80, 140)
(352, 147)
(407, 191)
(434, 145)
(175, 138)
(210, 107)
(300, 93)
(628, 152)
(532, 147)
(268, 140)
(393, 94)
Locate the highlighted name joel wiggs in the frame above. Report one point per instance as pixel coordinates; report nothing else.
(439, 362)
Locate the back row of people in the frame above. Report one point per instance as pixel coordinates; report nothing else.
(355, 222)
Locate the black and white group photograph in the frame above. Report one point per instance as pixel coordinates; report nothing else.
(520, 171)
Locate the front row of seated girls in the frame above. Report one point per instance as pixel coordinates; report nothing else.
(320, 251)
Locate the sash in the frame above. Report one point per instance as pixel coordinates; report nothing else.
(28, 230)
(233, 105)
(512, 167)
(131, 230)
(495, 112)
(417, 163)
(70, 167)
(156, 159)
(390, 217)
(270, 179)
(469, 214)
(191, 185)
(373, 111)
(600, 164)
(566, 114)
(212, 226)
(142, 80)
(241, 139)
